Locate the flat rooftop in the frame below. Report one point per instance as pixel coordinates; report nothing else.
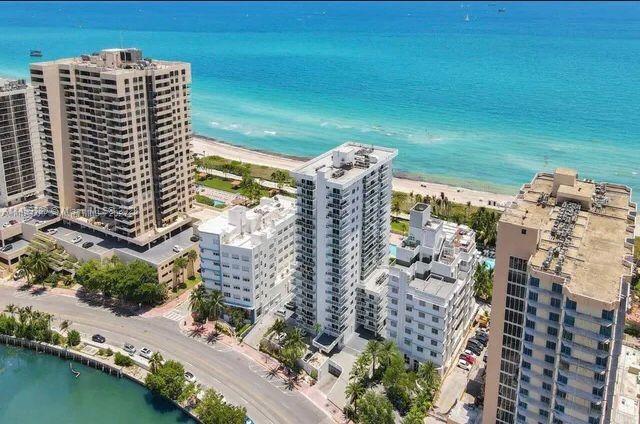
(597, 244)
(10, 85)
(124, 59)
(626, 403)
(434, 286)
(346, 162)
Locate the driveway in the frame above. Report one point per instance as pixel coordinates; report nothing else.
(239, 379)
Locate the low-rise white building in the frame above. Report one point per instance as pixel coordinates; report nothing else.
(430, 297)
(247, 254)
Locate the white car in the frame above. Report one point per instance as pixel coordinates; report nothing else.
(281, 312)
(189, 377)
(145, 352)
(464, 365)
(177, 248)
(129, 348)
(52, 231)
(468, 352)
(76, 239)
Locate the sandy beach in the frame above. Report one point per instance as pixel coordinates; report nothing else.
(207, 146)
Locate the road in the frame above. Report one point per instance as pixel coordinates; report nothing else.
(240, 380)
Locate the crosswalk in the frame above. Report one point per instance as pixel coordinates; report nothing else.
(174, 315)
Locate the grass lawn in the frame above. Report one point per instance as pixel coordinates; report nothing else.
(225, 185)
(218, 184)
(220, 163)
(400, 227)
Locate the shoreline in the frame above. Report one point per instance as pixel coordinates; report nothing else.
(78, 357)
(403, 182)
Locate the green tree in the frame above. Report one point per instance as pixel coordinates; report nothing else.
(155, 362)
(212, 409)
(168, 380)
(280, 177)
(215, 304)
(251, 190)
(353, 392)
(123, 360)
(483, 282)
(197, 300)
(278, 327)
(373, 350)
(73, 338)
(40, 263)
(374, 409)
(25, 265)
(179, 265)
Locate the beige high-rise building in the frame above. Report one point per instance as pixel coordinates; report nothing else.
(562, 276)
(20, 166)
(116, 141)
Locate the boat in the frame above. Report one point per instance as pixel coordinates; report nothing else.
(502, 10)
(35, 53)
(76, 373)
(466, 18)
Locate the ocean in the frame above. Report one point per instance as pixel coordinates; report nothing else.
(483, 102)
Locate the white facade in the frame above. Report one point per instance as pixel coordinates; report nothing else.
(342, 240)
(21, 175)
(430, 297)
(247, 254)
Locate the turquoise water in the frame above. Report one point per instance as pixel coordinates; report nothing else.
(484, 103)
(38, 388)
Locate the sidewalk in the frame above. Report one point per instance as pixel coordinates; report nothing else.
(303, 385)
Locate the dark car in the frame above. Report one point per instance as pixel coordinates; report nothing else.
(6, 248)
(194, 238)
(291, 305)
(478, 341)
(87, 244)
(475, 349)
(98, 338)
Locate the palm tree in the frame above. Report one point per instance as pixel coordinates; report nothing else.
(428, 373)
(197, 299)
(278, 327)
(192, 256)
(215, 304)
(294, 340)
(25, 265)
(353, 392)
(155, 362)
(373, 350)
(178, 269)
(40, 264)
(386, 352)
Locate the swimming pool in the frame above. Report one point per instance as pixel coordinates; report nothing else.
(491, 263)
(392, 250)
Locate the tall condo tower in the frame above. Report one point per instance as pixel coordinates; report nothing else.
(563, 269)
(20, 160)
(116, 138)
(342, 242)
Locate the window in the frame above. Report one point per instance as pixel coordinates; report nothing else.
(562, 379)
(555, 302)
(549, 359)
(533, 296)
(531, 310)
(436, 308)
(435, 319)
(526, 351)
(433, 354)
(552, 331)
(530, 324)
(546, 386)
(534, 282)
(523, 231)
(434, 343)
(569, 320)
(554, 317)
(434, 331)
(608, 315)
(570, 304)
(566, 350)
(547, 372)
(567, 335)
(528, 337)
(556, 288)
(550, 345)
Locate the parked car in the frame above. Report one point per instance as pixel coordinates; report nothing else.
(129, 348)
(281, 312)
(6, 248)
(145, 352)
(468, 352)
(87, 244)
(18, 274)
(52, 231)
(177, 248)
(291, 305)
(194, 238)
(477, 350)
(469, 358)
(13, 222)
(464, 365)
(189, 377)
(77, 239)
(98, 338)
(484, 358)
(477, 341)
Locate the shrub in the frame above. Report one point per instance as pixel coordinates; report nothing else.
(73, 338)
(123, 360)
(56, 339)
(168, 380)
(314, 374)
(632, 330)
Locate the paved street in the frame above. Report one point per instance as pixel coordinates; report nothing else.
(240, 380)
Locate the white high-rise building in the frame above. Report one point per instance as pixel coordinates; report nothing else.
(430, 297)
(21, 176)
(247, 254)
(342, 241)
